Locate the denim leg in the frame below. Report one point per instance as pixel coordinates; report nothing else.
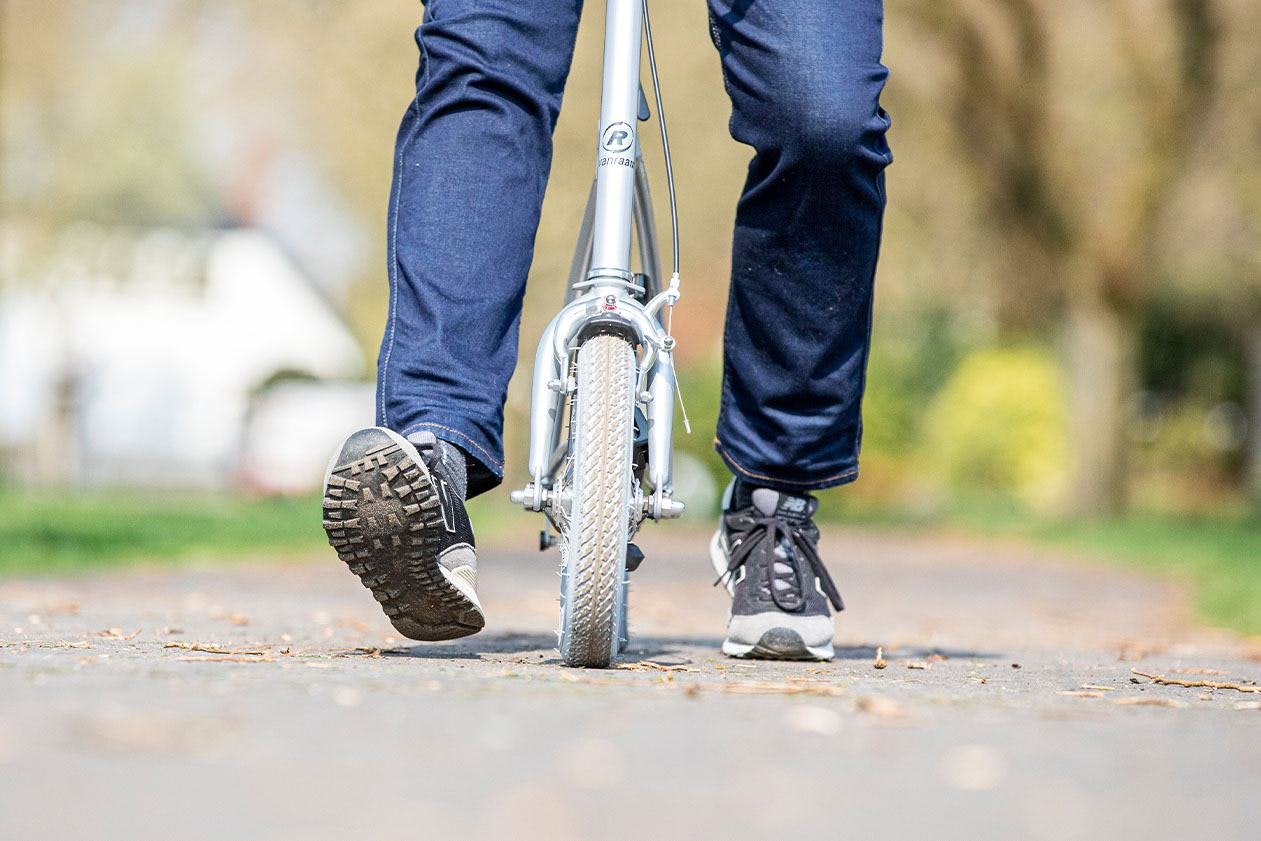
(471, 162)
(804, 79)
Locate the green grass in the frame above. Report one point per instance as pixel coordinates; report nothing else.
(49, 531)
(1222, 556)
(60, 531)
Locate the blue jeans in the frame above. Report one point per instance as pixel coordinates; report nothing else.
(471, 164)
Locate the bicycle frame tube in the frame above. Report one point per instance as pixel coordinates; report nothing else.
(645, 234)
(618, 144)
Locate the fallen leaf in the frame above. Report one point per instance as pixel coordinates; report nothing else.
(118, 634)
(880, 706)
(1206, 684)
(1133, 652)
(916, 664)
(214, 649)
(1077, 693)
(1098, 688)
(646, 665)
(227, 659)
(1150, 702)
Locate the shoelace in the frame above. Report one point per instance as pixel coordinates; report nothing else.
(774, 529)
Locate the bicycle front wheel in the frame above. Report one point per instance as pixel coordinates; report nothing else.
(594, 535)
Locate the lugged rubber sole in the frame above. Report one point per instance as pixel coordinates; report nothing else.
(778, 644)
(383, 516)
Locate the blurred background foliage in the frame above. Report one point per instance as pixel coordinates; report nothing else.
(1068, 335)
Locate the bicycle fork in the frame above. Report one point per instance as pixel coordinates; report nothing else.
(606, 302)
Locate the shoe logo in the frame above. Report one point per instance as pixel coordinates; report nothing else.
(792, 503)
(444, 502)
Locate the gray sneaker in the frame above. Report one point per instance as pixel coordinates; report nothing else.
(765, 552)
(395, 514)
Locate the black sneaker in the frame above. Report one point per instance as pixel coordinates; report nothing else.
(397, 519)
(765, 551)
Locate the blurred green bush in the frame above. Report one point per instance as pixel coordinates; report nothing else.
(999, 424)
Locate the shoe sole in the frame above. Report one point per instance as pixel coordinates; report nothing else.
(778, 644)
(383, 516)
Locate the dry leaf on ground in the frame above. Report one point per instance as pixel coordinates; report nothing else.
(1150, 702)
(232, 658)
(646, 665)
(1195, 684)
(207, 648)
(118, 634)
(881, 706)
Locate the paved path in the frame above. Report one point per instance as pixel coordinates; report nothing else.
(261, 701)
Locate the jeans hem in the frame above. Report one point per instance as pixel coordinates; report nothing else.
(484, 471)
(843, 477)
(464, 440)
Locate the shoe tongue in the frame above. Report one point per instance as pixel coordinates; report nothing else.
(439, 453)
(771, 503)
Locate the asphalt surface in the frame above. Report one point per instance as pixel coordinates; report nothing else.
(267, 700)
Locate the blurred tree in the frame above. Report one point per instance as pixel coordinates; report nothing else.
(1076, 151)
(91, 127)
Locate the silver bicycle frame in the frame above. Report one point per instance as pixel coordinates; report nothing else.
(607, 288)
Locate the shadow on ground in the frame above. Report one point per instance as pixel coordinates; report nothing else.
(682, 647)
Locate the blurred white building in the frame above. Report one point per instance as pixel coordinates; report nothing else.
(168, 358)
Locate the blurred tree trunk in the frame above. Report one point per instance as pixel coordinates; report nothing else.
(1100, 360)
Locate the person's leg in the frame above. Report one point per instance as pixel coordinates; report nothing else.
(471, 163)
(472, 159)
(804, 79)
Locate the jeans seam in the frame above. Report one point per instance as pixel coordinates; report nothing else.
(491, 461)
(847, 473)
(393, 273)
